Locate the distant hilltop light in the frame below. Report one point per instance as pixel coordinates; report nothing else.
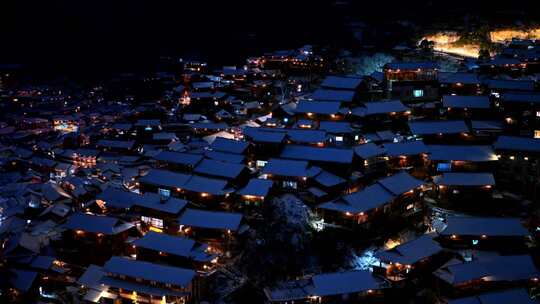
(449, 41)
(505, 35)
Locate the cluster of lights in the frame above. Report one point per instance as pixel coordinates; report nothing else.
(505, 35)
(446, 42)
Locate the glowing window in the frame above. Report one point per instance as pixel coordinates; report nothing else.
(290, 184)
(444, 167)
(154, 222)
(418, 93)
(164, 193)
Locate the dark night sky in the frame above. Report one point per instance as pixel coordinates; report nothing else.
(102, 34)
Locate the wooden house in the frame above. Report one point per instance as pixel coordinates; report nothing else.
(459, 83)
(412, 259)
(343, 287)
(382, 115)
(441, 131)
(519, 165)
(521, 113)
(255, 192)
(95, 236)
(147, 282)
(504, 233)
(286, 174)
(340, 161)
(411, 81)
(473, 107)
(176, 251)
(396, 194)
(465, 278)
(465, 188)
(157, 212)
(219, 229)
(458, 158)
(405, 155)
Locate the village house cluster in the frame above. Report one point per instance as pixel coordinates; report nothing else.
(145, 188)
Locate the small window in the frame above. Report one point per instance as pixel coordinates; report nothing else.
(339, 138)
(290, 184)
(444, 167)
(418, 93)
(537, 134)
(154, 222)
(165, 193)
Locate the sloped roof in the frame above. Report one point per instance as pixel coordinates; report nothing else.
(22, 280)
(179, 246)
(463, 153)
(187, 159)
(337, 82)
(116, 144)
(336, 127)
(165, 178)
(219, 168)
(149, 271)
(380, 107)
(282, 167)
(518, 85)
(210, 219)
(306, 136)
(318, 107)
(465, 179)
(515, 143)
(405, 148)
(229, 145)
(411, 65)
(96, 224)
(338, 283)
(436, 127)
(499, 268)
(265, 135)
(334, 95)
(412, 251)
(490, 226)
(520, 97)
(368, 150)
(458, 77)
(400, 183)
(498, 297)
(328, 179)
(225, 157)
(330, 155)
(205, 185)
(472, 102)
(256, 186)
